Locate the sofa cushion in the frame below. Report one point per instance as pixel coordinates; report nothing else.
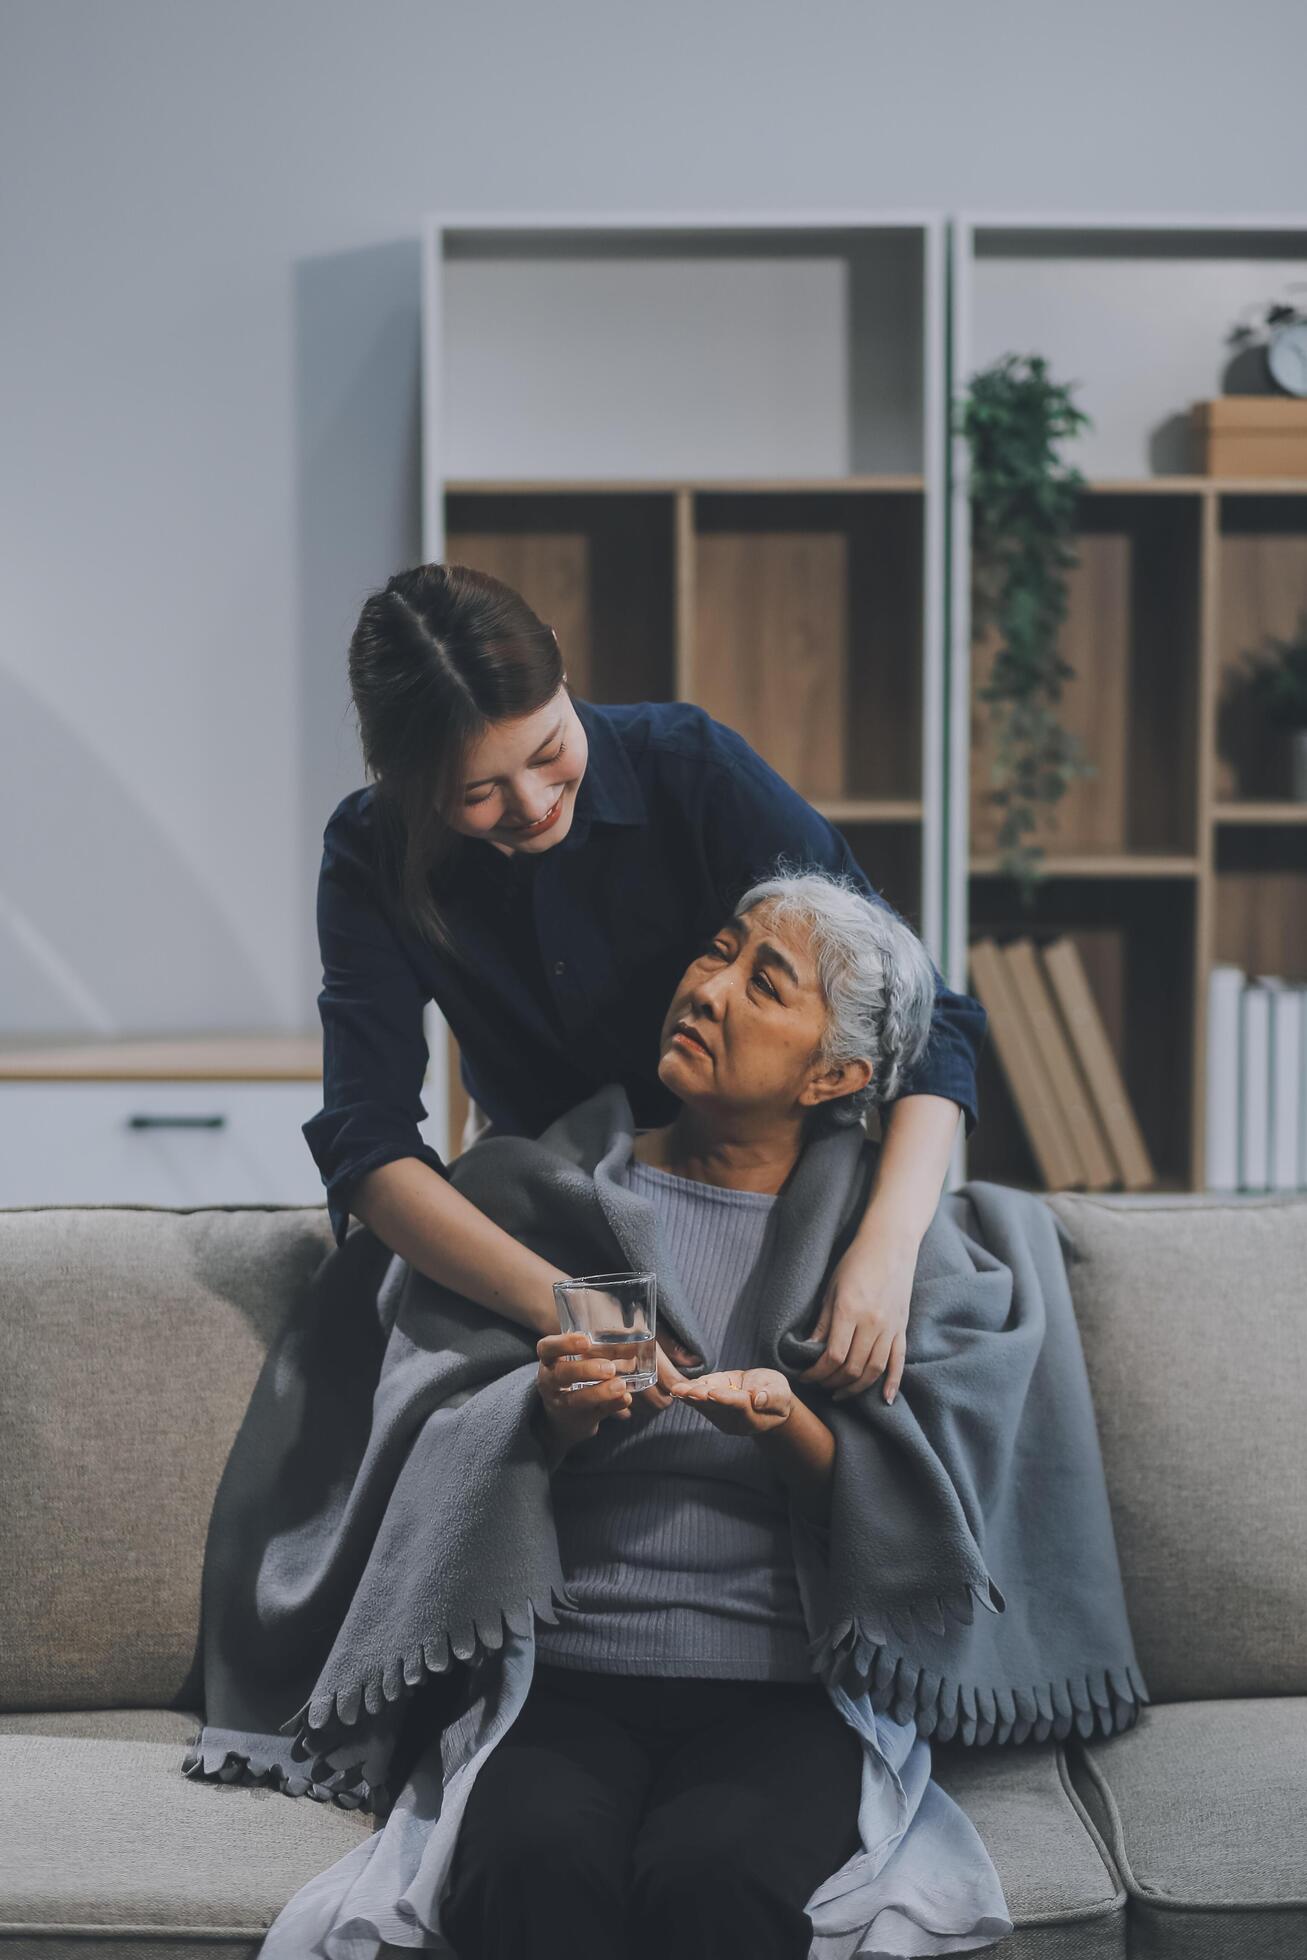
(103, 1835)
(1193, 1316)
(132, 1339)
(1064, 1898)
(1202, 1804)
(196, 1865)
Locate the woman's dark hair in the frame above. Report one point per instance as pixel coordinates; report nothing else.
(440, 653)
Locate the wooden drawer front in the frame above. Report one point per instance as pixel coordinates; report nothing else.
(157, 1143)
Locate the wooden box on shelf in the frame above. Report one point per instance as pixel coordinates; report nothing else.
(1250, 435)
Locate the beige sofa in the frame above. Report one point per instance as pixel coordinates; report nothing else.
(132, 1339)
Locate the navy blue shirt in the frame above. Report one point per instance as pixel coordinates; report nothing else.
(571, 956)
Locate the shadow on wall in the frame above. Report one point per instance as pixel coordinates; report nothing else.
(358, 339)
(105, 928)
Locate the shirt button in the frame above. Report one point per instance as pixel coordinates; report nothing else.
(559, 965)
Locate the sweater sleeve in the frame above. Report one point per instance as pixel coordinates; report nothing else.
(374, 1051)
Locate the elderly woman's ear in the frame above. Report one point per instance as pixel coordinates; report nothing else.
(843, 1079)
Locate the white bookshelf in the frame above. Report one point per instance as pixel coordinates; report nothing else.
(733, 377)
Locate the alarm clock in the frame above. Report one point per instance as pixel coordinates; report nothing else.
(1286, 357)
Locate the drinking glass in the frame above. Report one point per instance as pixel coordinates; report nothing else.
(617, 1313)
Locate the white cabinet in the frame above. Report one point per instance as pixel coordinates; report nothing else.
(193, 1122)
(157, 1143)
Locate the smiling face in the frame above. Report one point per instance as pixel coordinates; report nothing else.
(744, 1030)
(520, 779)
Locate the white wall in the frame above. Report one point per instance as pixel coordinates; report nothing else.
(208, 379)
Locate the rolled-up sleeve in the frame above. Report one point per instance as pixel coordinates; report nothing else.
(374, 1051)
(753, 817)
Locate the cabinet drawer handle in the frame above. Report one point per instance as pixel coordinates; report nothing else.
(176, 1122)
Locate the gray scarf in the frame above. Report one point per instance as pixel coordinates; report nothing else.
(385, 1511)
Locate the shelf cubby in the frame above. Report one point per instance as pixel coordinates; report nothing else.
(1136, 941)
(1131, 634)
(890, 855)
(1261, 899)
(596, 565)
(1261, 580)
(807, 634)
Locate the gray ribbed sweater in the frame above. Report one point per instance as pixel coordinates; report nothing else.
(675, 1539)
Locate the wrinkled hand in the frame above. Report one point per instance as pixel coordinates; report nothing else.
(864, 1318)
(740, 1401)
(574, 1414)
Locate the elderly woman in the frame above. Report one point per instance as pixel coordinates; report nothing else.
(678, 1781)
(673, 1778)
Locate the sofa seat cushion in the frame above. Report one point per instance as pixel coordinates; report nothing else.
(106, 1848)
(1065, 1899)
(1202, 1805)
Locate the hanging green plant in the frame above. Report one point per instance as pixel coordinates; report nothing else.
(1023, 517)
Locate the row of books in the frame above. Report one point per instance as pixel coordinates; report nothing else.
(1256, 1117)
(1053, 1048)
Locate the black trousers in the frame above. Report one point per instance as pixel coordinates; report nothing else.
(635, 1818)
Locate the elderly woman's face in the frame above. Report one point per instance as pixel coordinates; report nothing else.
(746, 1023)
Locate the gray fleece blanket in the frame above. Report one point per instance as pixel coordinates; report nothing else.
(385, 1509)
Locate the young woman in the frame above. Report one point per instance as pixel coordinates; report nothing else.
(544, 869)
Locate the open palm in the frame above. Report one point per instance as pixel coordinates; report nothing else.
(739, 1401)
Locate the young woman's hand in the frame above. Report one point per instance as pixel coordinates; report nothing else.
(864, 1317)
(740, 1401)
(574, 1414)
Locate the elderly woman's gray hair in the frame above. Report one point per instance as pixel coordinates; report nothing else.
(877, 978)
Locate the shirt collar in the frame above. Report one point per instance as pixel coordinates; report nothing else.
(609, 791)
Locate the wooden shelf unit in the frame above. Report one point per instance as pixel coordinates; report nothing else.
(823, 610)
(770, 545)
(1184, 851)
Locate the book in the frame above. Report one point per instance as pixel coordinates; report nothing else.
(1254, 1086)
(1102, 1074)
(1032, 1092)
(1221, 1134)
(1284, 1082)
(1071, 1095)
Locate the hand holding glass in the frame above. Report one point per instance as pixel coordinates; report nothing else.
(617, 1314)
